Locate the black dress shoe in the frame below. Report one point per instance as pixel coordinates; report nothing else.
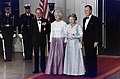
(34, 72)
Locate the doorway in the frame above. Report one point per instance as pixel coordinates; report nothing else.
(111, 26)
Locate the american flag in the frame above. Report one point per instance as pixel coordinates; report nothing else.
(44, 7)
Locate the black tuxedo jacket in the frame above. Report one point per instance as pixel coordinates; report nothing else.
(40, 37)
(91, 34)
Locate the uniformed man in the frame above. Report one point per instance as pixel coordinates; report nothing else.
(51, 19)
(51, 12)
(7, 28)
(25, 28)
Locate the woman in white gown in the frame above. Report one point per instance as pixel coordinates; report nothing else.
(73, 62)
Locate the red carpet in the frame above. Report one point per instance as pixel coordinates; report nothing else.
(106, 66)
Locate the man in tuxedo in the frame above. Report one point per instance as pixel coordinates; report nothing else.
(7, 28)
(91, 25)
(26, 29)
(40, 28)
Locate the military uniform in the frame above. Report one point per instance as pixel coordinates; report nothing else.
(51, 12)
(7, 28)
(51, 19)
(26, 29)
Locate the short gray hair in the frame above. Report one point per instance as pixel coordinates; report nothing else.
(59, 12)
(73, 15)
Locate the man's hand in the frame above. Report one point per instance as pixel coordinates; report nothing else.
(20, 35)
(1, 36)
(95, 44)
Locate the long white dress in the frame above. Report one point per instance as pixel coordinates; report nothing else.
(73, 62)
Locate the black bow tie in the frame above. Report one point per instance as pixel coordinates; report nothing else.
(86, 17)
(38, 19)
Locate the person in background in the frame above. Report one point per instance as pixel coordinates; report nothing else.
(7, 29)
(55, 61)
(73, 63)
(91, 36)
(51, 12)
(50, 19)
(39, 32)
(26, 29)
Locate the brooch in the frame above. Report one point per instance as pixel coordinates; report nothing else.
(44, 23)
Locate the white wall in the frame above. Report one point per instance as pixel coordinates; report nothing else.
(34, 5)
(77, 7)
(59, 4)
(66, 6)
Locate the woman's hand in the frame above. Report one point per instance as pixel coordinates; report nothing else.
(95, 44)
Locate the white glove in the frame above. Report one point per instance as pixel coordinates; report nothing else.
(20, 35)
(14, 35)
(1, 36)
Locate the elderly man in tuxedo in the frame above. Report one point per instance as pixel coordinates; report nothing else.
(40, 29)
(91, 26)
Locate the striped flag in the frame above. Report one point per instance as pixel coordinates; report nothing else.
(44, 7)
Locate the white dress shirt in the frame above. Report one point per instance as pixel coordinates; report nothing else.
(87, 21)
(7, 14)
(57, 29)
(52, 11)
(39, 25)
(28, 14)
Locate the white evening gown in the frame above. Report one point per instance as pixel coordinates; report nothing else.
(73, 62)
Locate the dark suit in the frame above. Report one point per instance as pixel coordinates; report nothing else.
(52, 19)
(91, 35)
(26, 28)
(39, 42)
(7, 28)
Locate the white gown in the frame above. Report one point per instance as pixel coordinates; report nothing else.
(73, 62)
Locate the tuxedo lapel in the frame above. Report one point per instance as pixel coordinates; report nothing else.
(36, 24)
(90, 22)
(84, 24)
